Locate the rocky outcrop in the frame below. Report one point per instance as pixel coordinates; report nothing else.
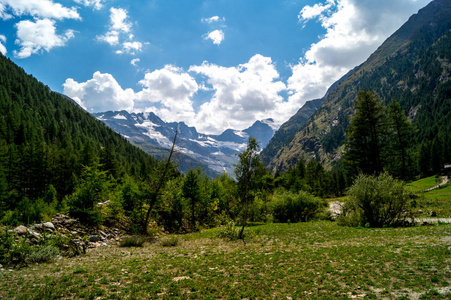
(77, 236)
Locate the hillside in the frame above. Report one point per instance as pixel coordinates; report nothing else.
(46, 141)
(412, 66)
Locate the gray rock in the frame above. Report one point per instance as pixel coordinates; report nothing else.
(94, 238)
(49, 225)
(20, 230)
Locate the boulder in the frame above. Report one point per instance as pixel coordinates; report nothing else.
(49, 225)
(20, 230)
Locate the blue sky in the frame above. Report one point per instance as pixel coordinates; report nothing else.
(213, 64)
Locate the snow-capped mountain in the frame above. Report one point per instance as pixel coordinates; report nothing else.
(148, 131)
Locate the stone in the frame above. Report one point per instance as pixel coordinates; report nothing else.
(20, 230)
(34, 234)
(94, 238)
(49, 225)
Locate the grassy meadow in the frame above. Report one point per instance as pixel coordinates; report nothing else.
(315, 260)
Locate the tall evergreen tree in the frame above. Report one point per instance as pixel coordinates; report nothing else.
(401, 132)
(366, 134)
(191, 192)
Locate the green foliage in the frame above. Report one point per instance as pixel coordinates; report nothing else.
(249, 171)
(91, 191)
(41, 254)
(365, 134)
(229, 231)
(170, 242)
(133, 241)
(401, 131)
(377, 201)
(191, 192)
(287, 206)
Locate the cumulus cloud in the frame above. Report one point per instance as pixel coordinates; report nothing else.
(96, 4)
(132, 47)
(101, 93)
(38, 9)
(2, 47)
(216, 36)
(34, 37)
(135, 61)
(242, 94)
(168, 92)
(119, 34)
(354, 29)
(213, 19)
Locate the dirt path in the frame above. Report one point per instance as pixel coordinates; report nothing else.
(445, 181)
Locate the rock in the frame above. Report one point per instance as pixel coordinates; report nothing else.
(34, 234)
(94, 238)
(49, 225)
(20, 230)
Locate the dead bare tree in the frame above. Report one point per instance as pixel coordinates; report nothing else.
(160, 183)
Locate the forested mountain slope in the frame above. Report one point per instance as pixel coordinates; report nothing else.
(46, 140)
(413, 66)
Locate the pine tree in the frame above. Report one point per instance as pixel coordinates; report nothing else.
(366, 134)
(191, 192)
(401, 132)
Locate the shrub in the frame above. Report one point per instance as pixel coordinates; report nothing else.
(376, 201)
(42, 254)
(170, 242)
(133, 241)
(229, 231)
(296, 207)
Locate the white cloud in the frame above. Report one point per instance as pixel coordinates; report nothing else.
(34, 37)
(2, 47)
(242, 94)
(311, 12)
(354, 29)
(216, 36)
(213, 19)
(118, 19)
(132, 47)
(168, 92)
(3, 14)
(135, 61)
(39, 9)
(101, 93)
(96, 4)
(119, 33)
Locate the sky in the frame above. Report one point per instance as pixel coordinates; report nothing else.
(213, 64)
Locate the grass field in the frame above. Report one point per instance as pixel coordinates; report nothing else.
(422, 184)
(438, 200)
(316, 260)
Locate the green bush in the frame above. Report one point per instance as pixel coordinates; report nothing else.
(133, 241)
(42, 254)
(229, 231)
(376, 201)
(296, 207)
(170, 242)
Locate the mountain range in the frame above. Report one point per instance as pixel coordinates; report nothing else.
(214, 153)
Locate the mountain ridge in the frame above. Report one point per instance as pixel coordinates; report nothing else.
(217, 152)
(394, 71)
